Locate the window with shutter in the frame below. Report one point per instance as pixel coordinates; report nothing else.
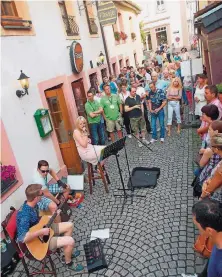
(93, 28)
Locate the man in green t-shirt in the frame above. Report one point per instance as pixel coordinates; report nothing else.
(94, 111)
(112, 110)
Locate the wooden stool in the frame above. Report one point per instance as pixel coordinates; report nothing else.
(92, 178)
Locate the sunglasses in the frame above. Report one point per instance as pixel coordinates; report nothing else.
(44, 171)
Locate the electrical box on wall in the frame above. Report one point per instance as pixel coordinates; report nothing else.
(43, 122)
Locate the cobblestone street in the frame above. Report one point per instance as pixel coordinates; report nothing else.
(154, 236)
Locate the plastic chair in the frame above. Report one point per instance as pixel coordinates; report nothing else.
(10, 229)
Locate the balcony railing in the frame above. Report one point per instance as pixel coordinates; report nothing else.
(72, 29)
(93, 29)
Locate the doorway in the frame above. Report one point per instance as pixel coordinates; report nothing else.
(93, 81)
(63, 129)
(161, 35)
(114, 69)
(104, 72)
(79, 96)
(121, 63)
(135, 59)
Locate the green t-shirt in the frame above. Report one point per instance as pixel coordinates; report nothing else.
(110, 106)
(92, 107)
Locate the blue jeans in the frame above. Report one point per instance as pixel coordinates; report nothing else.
(97, 133)
(160, 116)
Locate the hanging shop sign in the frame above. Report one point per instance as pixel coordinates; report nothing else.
(76, 57)
(43, 122)
(107, 13)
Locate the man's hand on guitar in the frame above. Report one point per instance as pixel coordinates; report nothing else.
(45, 231)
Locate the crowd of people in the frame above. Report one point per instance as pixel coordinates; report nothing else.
(154, 90)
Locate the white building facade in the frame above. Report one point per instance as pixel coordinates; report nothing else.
(165, 21)
(37, 40)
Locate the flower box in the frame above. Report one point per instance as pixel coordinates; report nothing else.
(117, 36)
(8, 177)
(123, 36)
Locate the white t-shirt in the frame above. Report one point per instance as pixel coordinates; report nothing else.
(141, 92)
(37, 178)
(148, 77)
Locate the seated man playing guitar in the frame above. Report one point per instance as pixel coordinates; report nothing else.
(39, 239)
(48, 201)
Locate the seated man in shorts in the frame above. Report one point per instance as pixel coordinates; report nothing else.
(134, 107)
(27, 217)
(48, 201)
(112, 110)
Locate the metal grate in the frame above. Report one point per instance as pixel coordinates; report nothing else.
(72, 29)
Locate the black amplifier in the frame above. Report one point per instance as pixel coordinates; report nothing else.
(95, 258)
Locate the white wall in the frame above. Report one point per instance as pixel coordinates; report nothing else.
(41, 57)
(172, 10)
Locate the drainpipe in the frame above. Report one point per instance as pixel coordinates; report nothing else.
(104, 43)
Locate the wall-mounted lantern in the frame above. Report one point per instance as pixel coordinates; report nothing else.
(101, 59)
(24, 84)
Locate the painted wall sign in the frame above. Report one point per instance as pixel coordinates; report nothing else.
(176, 32)
(107, 13)
(76, 57)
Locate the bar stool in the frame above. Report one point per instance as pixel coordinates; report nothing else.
(102, 175)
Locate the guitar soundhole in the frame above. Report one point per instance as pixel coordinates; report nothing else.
(45, 238)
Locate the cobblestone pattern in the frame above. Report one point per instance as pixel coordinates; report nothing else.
(154, 235)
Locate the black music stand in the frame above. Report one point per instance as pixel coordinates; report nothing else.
(113, 149)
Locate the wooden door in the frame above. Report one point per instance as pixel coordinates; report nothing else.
(80, 97)
(62, 127)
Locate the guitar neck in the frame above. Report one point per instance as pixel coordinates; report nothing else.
(54, 216)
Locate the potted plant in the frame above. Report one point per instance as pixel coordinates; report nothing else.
(133, 36)
(117, 36)
(123, 36)
(8, 177)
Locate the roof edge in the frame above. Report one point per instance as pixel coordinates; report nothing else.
(207, 8)
(130, 4)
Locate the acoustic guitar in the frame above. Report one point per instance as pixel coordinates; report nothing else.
(38, 247)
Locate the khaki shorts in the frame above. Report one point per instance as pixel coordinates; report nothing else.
(138, 123)
(54, 239)
(112, 124)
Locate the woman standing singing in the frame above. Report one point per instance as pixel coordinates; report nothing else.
(174, 94)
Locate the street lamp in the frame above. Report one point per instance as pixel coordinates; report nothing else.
(101, 59)
(24, 84)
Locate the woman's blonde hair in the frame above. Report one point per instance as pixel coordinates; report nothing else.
(80, 118)
(179, 82)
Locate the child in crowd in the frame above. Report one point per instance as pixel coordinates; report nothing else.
(187, 85)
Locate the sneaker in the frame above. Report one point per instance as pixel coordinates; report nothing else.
(146, 141)
(162, 140)
(140, 144)
(129, 136)
(74, 255)
(186, 275)
(153, 140)
(76, 268)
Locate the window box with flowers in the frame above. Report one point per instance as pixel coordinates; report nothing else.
(123, 36)
(8, 177)
(117, 36)
(133, 36)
